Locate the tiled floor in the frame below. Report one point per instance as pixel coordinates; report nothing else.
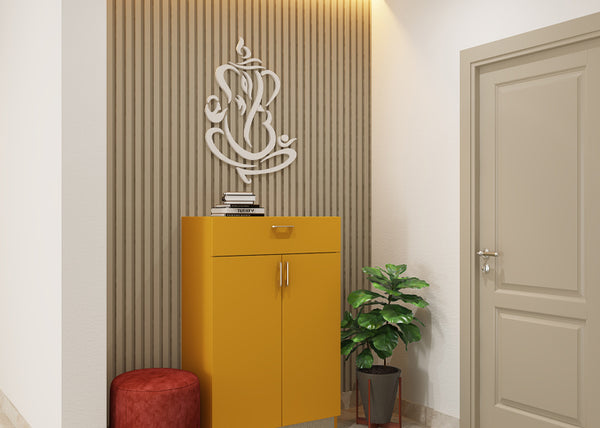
(4, 422)
(347, 420)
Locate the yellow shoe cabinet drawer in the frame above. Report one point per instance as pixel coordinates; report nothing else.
(261, 331)
(274, 235)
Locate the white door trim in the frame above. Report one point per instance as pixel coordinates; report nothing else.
(577, 30)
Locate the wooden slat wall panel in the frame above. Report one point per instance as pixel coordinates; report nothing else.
(162, 58)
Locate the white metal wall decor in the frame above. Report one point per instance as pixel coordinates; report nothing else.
(252, 106)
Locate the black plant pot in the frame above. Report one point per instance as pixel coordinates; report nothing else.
(384, 389)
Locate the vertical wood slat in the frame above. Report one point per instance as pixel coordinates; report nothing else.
(301, 147)
(165, 182)
(325, 99)
(156, 179)
(147, 105)
(129, 161)
(138, 182)
(317, 90)
(367, 136)
(276, 62)
(286, 82)
(110, 184)
(119, 171)
(351, 81)
(162, 56)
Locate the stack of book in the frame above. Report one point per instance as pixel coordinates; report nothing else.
(238, 204)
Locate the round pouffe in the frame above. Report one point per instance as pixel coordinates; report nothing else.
(153, 398)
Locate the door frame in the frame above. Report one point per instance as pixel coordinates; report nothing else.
(471, 60)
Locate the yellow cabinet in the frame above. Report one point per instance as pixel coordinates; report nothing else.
(260, 318)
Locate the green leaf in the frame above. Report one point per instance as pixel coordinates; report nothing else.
(386, 340)
(348, 320)
(382, 354)
(376, 272)
(364, 360)
(411, 332)
(419, 321)
(396, 283)
(347, 333)
(395, 293)
(395, 270)
(360, 297)
(397, 314)
(371, 320)
(376, 276)
(374, 302)
(347, 347)
(383, 281)
(381, 287)
(360, 337)
(402, 337)
(413, 283)
(413, 299)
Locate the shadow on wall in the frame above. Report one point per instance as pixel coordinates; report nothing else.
(414, 363)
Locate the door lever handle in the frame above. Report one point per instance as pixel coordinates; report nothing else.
(485, 255)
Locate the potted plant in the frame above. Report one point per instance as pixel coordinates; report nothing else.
(379, 330)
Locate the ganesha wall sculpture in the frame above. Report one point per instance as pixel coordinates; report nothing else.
(250, 107)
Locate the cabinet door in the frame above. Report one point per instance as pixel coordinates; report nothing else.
(311, 337)
(247, 342)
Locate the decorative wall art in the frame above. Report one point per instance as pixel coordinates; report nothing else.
(252, 107)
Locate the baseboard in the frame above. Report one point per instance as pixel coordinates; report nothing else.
(419, 413)
(427, 416)
(8, 410)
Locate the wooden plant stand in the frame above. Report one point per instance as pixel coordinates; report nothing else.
(367, 420)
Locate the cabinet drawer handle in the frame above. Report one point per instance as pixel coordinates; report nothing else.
(282, 226)
(287, 274)
(280, 274)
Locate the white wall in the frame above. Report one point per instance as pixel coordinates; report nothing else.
(415, 134)
(30, 209)
(84, 212)
(53, 210)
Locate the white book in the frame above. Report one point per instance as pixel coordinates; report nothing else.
(242, 198)
(238, 194)
(237, 215)
(237, 205)
(231, 210)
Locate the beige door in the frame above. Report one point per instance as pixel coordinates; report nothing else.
(539, 209)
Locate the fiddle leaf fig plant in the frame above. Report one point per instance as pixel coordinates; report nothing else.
(388, 320)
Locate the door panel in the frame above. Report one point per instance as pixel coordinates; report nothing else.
(539, 192)
(524, 383)
(538, 180)
(311, 336)
(247, 374)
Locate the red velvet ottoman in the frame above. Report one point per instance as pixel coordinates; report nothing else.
(153, 398)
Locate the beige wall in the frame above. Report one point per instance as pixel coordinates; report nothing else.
(30, 209)
(415, 73)
(162, 57)
(53, 211)
(84, 249)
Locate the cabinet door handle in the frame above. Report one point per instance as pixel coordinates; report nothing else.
(287, 274)
(275, 226)
(280, 274)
